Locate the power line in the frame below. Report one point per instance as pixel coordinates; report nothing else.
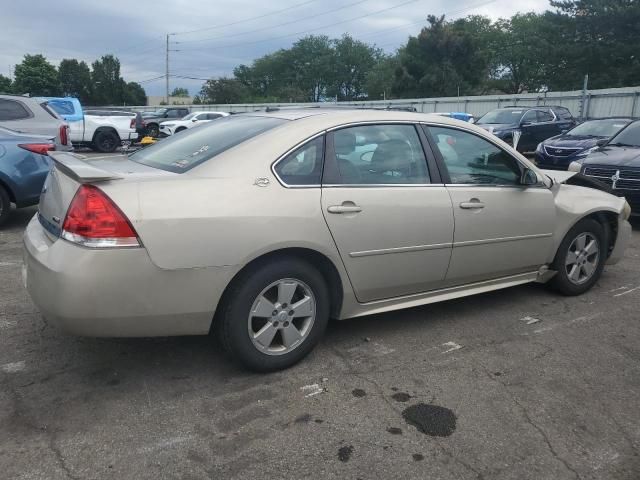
(291, 22)
(309, 29)
(246, 19)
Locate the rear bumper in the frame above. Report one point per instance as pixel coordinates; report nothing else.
(117, 292)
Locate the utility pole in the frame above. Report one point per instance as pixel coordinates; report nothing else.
(583, 102)
(166, 74)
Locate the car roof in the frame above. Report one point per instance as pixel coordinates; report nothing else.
(324, 118)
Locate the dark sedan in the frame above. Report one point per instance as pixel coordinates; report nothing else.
(526, 127)
(617, 164)
(558, 152)
(24, 165)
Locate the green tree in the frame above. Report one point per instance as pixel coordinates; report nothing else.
(5, 84)
(352, 61)
(134, 94)
(108, 85)
(595, 37)
(197, 100)
(380, 78)
(75, 79)
(224, 90)
(180, 92)
(445, 57)
(36, 76)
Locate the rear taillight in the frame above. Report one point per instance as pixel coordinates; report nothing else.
(93, 220)
(64, 134)
(133, 123)
(39, 148)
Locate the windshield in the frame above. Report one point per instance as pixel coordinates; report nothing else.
(598, 128)
(180, 153)
(502, 115)
(630, 136)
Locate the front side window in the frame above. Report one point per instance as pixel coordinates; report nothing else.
(12, 110)
(179, 153)
(530, 117)
(470, 159)
(379, 154)
(544, 116)
(304, 165)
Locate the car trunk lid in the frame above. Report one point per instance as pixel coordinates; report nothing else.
(69, 171)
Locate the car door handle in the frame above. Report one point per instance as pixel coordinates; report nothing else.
(473, 203)
(344, 208)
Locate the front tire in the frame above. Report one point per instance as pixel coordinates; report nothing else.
(274, 314)
(5, 205)
(580, 258)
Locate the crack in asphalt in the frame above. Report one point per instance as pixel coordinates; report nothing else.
(536, 427)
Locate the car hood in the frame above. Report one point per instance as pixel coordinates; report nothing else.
(618, 156)
(497, 126)
(570, 141)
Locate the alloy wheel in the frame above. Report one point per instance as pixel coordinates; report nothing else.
(282, 316)
(582, 259)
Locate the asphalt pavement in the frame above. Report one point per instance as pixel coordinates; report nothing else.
(516, 384)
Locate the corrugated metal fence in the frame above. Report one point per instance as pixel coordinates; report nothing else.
(582, 104)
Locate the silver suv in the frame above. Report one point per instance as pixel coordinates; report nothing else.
(31, 115)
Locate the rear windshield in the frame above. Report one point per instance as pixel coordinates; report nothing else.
(182, 152)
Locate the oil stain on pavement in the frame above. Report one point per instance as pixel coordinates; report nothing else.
(344, 453)
(358, 392)
(431, 420)
(401, 397)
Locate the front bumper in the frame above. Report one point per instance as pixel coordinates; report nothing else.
(622, 241)
(166, 130)
(117, 292)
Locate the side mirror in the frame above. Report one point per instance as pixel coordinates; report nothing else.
(602, 142)
(525, 124)
(194, 119)
(529, 178)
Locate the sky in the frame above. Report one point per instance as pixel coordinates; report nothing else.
(211, 37)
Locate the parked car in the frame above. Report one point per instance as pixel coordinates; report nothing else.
(103, 131)
(141, 128)
(196, 118)
(527, 126)
(556, 153)
(153, 119)
(617, 164)
(32, 115)
(275, 223)
(24, 166)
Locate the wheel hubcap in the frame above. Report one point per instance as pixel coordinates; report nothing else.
(281, 317)
(582, 258)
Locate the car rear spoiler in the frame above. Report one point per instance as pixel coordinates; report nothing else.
(76, 167)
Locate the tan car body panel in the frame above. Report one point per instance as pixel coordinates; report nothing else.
(200, 228)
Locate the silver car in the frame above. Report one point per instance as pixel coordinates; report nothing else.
(34, 115)
(261, 227)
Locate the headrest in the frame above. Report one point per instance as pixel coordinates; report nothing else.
(344, 142)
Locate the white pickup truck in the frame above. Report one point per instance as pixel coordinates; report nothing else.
(103, 131)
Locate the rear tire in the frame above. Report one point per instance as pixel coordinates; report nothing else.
(5, 205)
(106, 142)
(274, 314)
(580, 258)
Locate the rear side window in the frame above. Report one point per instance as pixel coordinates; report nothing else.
(304, 165)
(213, 116)
(192, 147)
(13, 110)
